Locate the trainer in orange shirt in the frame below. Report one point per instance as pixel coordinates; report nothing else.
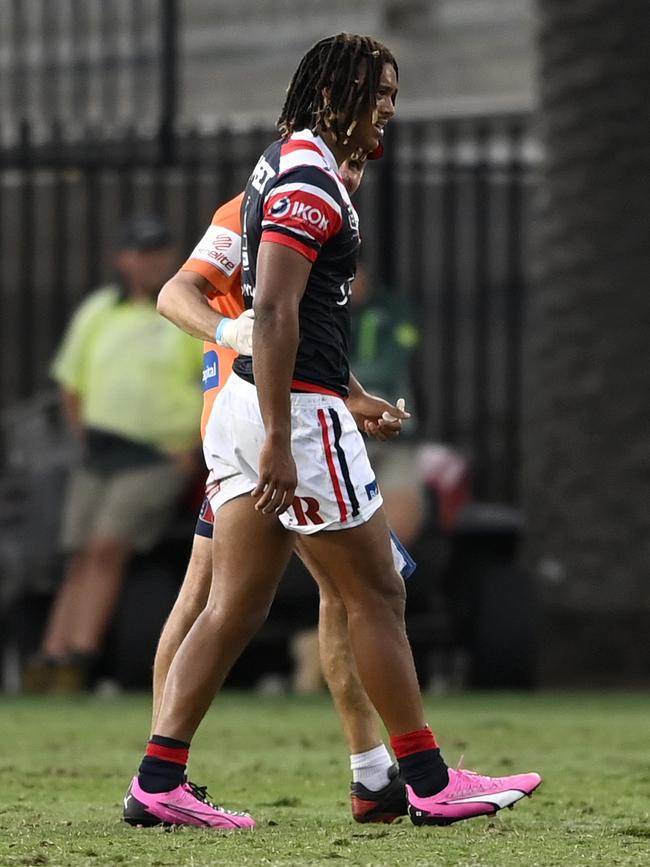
(217, 258)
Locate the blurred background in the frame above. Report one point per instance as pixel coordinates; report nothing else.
(505, 243)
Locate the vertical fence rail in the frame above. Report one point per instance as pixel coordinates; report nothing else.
(89, 61)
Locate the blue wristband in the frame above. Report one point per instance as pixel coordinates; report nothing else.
(218, 335)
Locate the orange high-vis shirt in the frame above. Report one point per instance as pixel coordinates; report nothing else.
(217, 257)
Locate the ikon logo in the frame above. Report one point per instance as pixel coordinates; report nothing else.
(310, 215)
(281, 207)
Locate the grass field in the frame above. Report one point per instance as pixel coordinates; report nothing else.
(65, 766)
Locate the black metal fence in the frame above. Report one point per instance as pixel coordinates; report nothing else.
(87, 61)
(444, 219)
(88, 91)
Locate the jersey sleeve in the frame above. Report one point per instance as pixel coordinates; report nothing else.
(302, 210)
(217, 256)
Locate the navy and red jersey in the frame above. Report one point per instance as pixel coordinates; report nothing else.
(295, 197)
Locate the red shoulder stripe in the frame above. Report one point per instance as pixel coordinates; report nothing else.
(297, 145)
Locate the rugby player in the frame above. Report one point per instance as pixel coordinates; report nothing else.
(377, 793)
(286, 455)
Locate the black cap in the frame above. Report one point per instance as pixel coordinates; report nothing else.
(143, 233)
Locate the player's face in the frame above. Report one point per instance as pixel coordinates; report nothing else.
(369, 130)
(351, 172)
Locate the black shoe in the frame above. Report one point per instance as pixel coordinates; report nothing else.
(384, 805)
(39, 674)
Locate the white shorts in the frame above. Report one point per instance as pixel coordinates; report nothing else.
(336, 488)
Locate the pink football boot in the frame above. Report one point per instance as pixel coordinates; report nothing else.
(469, 794)
(187, 804)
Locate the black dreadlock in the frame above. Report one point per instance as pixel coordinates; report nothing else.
(348, 67)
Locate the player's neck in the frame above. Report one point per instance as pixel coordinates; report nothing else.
(341, 152)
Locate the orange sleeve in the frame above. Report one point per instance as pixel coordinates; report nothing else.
(217, 256)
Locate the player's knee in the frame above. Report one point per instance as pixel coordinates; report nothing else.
(386, 594)
(194, 593)
(239, 617)
(188, 608)
(252, 619)
(394, 594)
(386, 583)
(332, 604)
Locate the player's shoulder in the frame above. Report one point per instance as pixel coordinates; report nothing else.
(309, 177)
(228, 214)
(303, 149)
(304, 155)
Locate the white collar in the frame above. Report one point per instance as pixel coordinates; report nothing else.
(308, 135)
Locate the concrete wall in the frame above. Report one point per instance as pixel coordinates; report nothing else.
(98, 60)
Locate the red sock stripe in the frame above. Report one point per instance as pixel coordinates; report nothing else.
(413, 742)
(178, 755)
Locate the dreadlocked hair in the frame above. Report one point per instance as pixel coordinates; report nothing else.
(335, 81)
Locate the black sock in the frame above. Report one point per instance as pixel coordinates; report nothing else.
(425, 772)
(163, 767)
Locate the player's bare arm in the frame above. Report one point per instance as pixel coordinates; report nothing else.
(184, 301)
(281, 280)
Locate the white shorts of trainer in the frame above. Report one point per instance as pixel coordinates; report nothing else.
(336, 488)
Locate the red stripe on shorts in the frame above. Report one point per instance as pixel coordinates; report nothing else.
(343, 512)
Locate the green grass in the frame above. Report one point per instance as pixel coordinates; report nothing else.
(65, 766)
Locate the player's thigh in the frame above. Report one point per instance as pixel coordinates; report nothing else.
(250, 552)
(359, 561)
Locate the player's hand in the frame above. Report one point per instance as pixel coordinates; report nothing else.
(277, 477)
(238, 333)
(377, 417)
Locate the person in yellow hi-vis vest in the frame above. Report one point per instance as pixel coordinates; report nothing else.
(131, 389)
